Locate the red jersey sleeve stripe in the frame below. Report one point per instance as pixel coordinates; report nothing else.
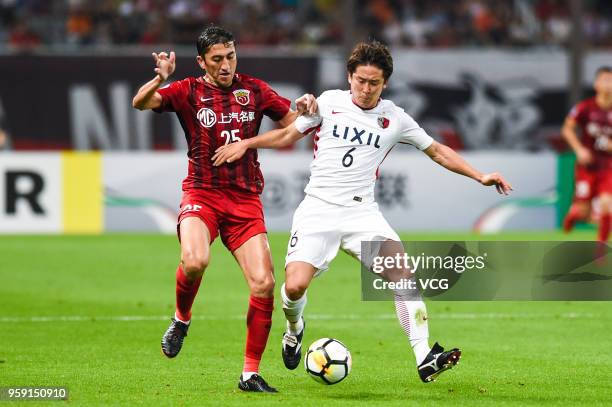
(310, 130)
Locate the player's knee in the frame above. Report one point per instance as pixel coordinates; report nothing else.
(295, 289)
(583, 209)
(194, 264)
(262, 285)
(193, 270)
(605, 204)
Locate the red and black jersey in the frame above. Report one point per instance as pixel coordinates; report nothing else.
(212, 116)
(595, 124)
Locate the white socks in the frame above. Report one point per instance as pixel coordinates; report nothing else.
(293, 312)
(180, 320)
(247, 375)
(412, 316)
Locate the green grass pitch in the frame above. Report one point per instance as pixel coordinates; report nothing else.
(88, 313)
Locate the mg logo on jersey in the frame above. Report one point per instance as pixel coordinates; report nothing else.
(242, 96)
(207, 117)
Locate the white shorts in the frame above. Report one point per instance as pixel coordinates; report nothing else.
(321, 228)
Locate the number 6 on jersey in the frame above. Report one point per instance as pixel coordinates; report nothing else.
(347, 160)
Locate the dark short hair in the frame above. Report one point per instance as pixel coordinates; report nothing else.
(371, 53)
(603, 69)
(212, 35)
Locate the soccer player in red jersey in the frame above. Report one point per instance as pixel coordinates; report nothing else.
(593, 154)
(216, 109)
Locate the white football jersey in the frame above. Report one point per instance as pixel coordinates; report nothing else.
(351, 143)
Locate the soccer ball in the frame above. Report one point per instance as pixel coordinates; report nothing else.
(328, 361)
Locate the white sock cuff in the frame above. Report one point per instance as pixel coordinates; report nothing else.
(289, 303)
(247, 375)
(180, 320)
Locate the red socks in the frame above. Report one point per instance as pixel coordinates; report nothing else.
(259, 321)
(604, 228)
(572, 216)
(185, 294)
(259, 318)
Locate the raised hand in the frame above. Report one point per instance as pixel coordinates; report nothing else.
(164, 64)
(496, 179)
(306, 104)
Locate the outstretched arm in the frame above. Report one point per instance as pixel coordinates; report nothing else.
(449, 159)
(306, 107)
(278, 138)
(147, 96)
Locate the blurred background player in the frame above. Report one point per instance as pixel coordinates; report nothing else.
(354, 131)
(218, 108)
(593, 174)
(5, 141)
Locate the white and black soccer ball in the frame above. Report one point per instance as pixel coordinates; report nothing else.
(328, 361)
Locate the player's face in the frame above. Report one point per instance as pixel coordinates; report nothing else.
(367, 83)
(603, 83)
(220, 64)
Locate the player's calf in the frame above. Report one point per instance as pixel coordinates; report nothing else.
(579, 211)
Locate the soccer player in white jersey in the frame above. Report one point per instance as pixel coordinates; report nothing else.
(353, 131)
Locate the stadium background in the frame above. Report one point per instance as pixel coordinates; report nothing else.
(492, 79)
(89, 188)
